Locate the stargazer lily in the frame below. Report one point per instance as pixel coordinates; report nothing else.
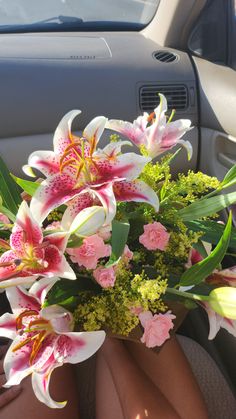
(216, 322)
(43, 339)
(155, 133)
(224, 277)
(80, 175)
(31, 255)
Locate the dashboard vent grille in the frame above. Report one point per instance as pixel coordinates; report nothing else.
(176, 95)
(165, 56)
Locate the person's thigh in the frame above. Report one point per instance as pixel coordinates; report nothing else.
(170, 371)
(62, 387)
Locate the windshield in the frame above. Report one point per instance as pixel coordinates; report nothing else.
(44, 15)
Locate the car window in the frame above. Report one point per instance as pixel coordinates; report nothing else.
(63, 14)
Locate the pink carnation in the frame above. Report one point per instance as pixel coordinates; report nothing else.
(92, 249)
(156, 328)
(136, 310)
(154, 237)
(128, 254)
(55, 225)
(4, 219)
(105, 276)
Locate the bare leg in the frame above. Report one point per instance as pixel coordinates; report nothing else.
(62, 387)
(107, 400)
(138, 397)
(170, 371)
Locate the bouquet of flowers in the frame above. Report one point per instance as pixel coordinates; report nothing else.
(109, 243)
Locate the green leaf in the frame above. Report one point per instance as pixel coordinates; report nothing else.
(120, 231)
(201, 270)
(65, 289)
(74, 242)
(9, 191)
(27, 185)
(207, 207)
(212, 231)
(8, 213)
(230, 178)
(199, 246)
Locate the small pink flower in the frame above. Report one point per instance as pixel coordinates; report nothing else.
(92, 249)
(105, 276)
(105, 232)
(154, 237)
(4, 219)
(127, 255)
(193, 258)
(55, 225)
(156, 328)
(136, 310)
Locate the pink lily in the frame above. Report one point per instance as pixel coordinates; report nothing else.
(79, 175)
(43, 339)
(225, 277)
(154, 132)
(31, 255)
(216, 322)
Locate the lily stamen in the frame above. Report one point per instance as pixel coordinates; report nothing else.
(36, 346)
(171, 116)
(151, 117)
(26, 313)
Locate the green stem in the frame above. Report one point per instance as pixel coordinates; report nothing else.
(187, 294)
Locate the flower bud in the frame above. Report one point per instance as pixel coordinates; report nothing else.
(223, 301)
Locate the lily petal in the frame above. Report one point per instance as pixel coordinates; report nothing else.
(62, 136)
(94, 130)
(52, 192)
(8, 326)
(20, 300)
(40, 384)
(58, 239)
(60, 318)
(188, 146)
(127, 166)
(216, 322)
(18, 281)
(88, 221)
(106, 196)
(112, 149)
(57, 264)
(45, 161)
(128, 130)
(75, 205)
(137, 191)
(25, 229)
(40, 288)
(74, 347)
(16, 364)
(160, 110)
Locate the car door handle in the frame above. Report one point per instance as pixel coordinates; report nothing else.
(226, 160)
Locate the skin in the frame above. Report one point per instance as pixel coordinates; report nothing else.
(20, 402)
(132, 382)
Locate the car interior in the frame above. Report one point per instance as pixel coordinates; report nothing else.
(87, 59)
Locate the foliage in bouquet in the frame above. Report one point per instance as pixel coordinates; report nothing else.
(107, 242)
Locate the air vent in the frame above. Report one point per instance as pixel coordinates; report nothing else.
(165, 56)
(176, 95)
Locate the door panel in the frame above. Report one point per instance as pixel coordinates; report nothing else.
(217, 127)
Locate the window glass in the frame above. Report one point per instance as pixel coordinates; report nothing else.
(209, 38)
(74, 14)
